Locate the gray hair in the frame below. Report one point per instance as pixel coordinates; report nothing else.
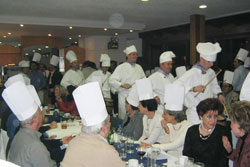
(178, 115)
(95, 129)
(29, 120)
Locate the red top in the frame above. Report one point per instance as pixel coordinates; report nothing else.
(68, 107)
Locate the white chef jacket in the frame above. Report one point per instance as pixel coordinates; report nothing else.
(245, 90)
(152, 130)
(105, 81)
(159, 80)
(125, 73)
(192, 78)
(174, 141)
(72, 77)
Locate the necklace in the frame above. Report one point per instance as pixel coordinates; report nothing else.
(178, 128)
(208, 130)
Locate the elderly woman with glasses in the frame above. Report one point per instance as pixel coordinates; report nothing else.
(203, 142)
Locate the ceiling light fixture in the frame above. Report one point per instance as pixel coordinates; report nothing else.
(79, 36)
(21, 25)
(0, 42)
(39, 49)
(49, 35)
(116, 34)
(70, 27)
(203, 6)
(144, 0)
(19, 44)
(70, 38)
(105, 29)
(75, 42)
(5, 36)
(9, 33)
(27, 54)
(130, 30)
(33, 50)
(46, 47)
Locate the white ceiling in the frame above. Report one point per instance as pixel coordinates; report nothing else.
(89, 17)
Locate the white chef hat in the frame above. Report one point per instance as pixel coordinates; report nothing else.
(97, 79)
(245, 89)
(242, 54)
(71, 56)
(174, 97)
(24, 63)
(20, 101)
(90, 104)
(228, 77)
(180, 71)
(13, 79)
(144, 89)
(34, 94)
(7, 163)
(166, 56)
(37, 57)
(133, 97)
(130, 49)
(105, 59)
(54, 60)
(208, 50)
(247, 62)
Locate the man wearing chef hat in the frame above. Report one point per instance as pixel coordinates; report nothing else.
(227, 89)
(195, 79)
(102, 75)
(162, 76)
(125, 76)
(73, 76)
(245, 90)
(25, 68)
(240, 71)
(36, 76)
(26, 148)
(91, 148)
(54, 77)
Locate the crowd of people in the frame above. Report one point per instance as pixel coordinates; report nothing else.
(191, 114)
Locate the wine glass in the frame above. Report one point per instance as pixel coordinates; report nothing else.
(141, 151)
(130, 144)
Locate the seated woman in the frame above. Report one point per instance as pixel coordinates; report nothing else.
(174, 121)
(152, 129)
(240, 124)
(203, 142)
(59, 92)
(68, 105)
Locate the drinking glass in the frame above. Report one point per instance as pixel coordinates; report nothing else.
(141, 151)
(155, 152)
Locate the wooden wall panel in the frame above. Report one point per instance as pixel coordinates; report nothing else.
(9, 55)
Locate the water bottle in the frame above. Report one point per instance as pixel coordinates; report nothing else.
(119, 129)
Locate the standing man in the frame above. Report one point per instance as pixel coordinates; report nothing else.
(26, 148)
(195, 79)
(240, 71)
(103, 75)
(163, 76)
(125, 76)
(73, 76)
(91, 148)
(36, 76)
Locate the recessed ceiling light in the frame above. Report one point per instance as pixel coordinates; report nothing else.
(70, 38)
(203, 6)
(105, 29)
(130, 30)
(79, 36)
(27, 54)
(49, 35)
(21, 25)
(9, 33)
(0, 42)
(39, 49)
(116, 33)
(46, 47)
(75, 42)
(70, 27)
(19, 44)
(5, 36)
(144, 0)
(33, 50)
